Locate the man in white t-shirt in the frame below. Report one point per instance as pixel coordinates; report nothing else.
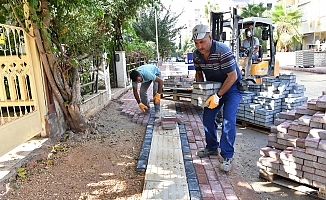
(255, 45)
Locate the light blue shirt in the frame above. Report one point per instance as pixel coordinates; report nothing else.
(148, 73)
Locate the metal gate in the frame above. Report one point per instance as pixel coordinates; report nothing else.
(20, 113)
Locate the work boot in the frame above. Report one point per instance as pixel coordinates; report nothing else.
(205, 152)
(225, 165)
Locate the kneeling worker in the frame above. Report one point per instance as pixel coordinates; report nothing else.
(146, 74)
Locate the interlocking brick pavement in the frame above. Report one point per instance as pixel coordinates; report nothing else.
(205, 180)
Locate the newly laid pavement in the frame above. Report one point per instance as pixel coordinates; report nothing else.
(173, 171)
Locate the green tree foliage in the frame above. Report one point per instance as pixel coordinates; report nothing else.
(286, 34)
(66, 34)
(253, 10)
(188, 46)
(166, 24)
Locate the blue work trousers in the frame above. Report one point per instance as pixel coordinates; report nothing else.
(143, 94)
(230, 102)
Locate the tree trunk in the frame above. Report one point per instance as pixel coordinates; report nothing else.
(70, 104)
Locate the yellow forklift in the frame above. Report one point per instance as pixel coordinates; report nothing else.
(227, 27)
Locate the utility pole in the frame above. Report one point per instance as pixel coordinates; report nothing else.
(158, 55)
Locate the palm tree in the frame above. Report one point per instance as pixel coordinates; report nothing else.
(286, 34)
(253, 10)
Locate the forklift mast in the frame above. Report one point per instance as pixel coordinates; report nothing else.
(218, 21)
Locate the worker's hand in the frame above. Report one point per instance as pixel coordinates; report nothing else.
(157, 98)
(190, 88)
(213, 101)
(142, 107)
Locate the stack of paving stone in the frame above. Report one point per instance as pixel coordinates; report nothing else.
(183, 81)
(169, 122)
(297, 145)
(262, 102)
(202, 90)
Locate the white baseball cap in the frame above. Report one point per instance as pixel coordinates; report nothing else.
(199, 31)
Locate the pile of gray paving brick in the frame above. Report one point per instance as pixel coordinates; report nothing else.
(262, 102)
(178, 81)
(297, 146)
(202, 90)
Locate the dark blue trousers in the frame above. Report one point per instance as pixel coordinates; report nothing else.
(230, 100)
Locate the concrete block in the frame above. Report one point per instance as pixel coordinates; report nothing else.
(318, 133)
(321, 172)
(269, 162)
(280, 146)
(287, 143)
(291, 170)
(319, 117)
(283, 173)
(278, 121)
(312, 142)
(322, 145)
(271, 144)
(321, 160)
(303, 109)
(301, 153)
(169, 118)
(272, 137)
(308, 169)
(303, 134)
(270, 152)
(314, 177)
(287, 115)
(292, 132)
(321, 101)
(283, 127)
(274, 129)
(286, 136)
(312, 104)
(304, 120)
(300, 142)
(206, 85)
(316, 152)
(314, 164)
(316, 125)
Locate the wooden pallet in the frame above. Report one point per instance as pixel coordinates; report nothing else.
(176, 94)
(291, 184)
(256, 127)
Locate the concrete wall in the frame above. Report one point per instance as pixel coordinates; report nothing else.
(285, 58)
(320, 59)
(288, 58)
(94, 103)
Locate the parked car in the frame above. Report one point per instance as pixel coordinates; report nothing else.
(179, 59)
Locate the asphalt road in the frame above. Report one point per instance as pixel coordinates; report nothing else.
(314, 83)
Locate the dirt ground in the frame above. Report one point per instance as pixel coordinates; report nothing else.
(94, 166)
(102, 165)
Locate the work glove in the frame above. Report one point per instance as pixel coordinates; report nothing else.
(157, 98)
(213, 101)
(142, 107)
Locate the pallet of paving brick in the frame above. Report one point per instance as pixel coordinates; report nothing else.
(176, 94)
(262, 127)
(288, 183)
(177, 90)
